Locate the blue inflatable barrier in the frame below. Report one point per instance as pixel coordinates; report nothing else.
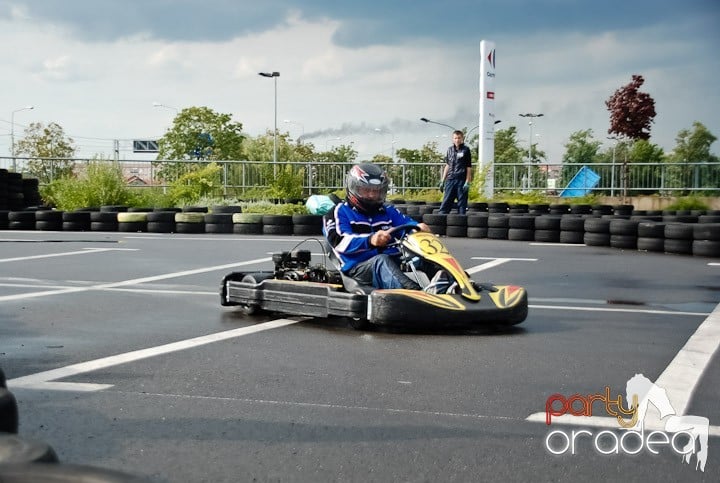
(581, 184)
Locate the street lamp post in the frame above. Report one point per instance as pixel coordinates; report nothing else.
(12, 133)
(274, 76)
(425, 119)
(530, 156)
(160, 104)
(392, 141)
(615, 140)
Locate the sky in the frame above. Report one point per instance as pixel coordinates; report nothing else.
(352, 72)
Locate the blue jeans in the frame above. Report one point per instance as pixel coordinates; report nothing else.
(382, 271)
(454, 190)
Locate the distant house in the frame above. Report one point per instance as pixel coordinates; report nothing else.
(136, 180)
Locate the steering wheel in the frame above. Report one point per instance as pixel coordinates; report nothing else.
(400, 228)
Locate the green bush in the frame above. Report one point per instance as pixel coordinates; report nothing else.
(688, 203)
(100, 183)
(267, 208)
(192, 186)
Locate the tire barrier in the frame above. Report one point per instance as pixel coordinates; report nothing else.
(676, 232)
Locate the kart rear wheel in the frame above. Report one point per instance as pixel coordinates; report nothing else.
(254, 278)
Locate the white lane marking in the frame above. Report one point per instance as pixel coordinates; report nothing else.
(679, 379)
(713, 264)
(608, 309)
(40, 379)
(494, 263)
(134, 281)
(84, 251)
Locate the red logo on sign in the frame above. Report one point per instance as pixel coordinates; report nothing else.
(490, 95)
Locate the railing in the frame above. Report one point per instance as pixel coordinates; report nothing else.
(238, 177)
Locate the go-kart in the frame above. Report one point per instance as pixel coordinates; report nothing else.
(450, 298)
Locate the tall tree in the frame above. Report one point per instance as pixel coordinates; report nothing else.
(631, 111)
(693, 146)
(42, 144)
(581, 149)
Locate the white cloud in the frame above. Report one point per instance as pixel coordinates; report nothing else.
(106, 89)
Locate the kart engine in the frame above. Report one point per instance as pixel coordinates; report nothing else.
(295, 265)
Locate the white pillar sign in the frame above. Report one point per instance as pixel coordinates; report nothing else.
(486, 130)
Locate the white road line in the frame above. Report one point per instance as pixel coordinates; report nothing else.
(608, 309)
(494, 263)
(84, 251)
(679, 379)
(134, 281)
(713, 264)
(46, 379)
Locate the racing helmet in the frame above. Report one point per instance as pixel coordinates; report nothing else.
(367, 186)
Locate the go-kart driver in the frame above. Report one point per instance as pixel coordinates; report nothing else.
(358, 230)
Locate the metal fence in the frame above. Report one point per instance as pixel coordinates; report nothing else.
(239, 177)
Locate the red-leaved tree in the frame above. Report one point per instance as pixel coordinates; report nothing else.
(631, 111)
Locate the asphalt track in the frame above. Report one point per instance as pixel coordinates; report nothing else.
(121, 356)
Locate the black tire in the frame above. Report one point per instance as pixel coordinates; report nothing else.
(195, 209)
(497, 221)
(315, 220)
(495, 233)
(252, 309)
(140, 209)
(172, 209)
(247, 228)
(103, 226)
(307, 230)
(21, 225)
(190, 228)
(218, 218)
(277, 229)
(544, 222)
(226, 209)
(456, 231)
(706, 231)
(596, 239)
(708, 219)
(104, 216)
(75, 226)
(498, 207)
(438, 229)
(521, 234)
(457, 220)
(16, 449)
(678, 231)
(49, 225)
(547, 236)
(477, 232)
(623, 241)
(8, 412)
(436, 220)
(581, 209)
(572, 223)
(572, 237)
(683, 247)
(521, 222)
(624, 227)
(559, 209)
(597, 225)
(25, 216)
(3, 380)
(706, 248)
(278, 220)
(651, 244)
(218, 227)
(477, 221)
(161, 217)
(113, 209)
(160, 227)
(651, 229)
(76, 217)
(46, 215)
(132, 226)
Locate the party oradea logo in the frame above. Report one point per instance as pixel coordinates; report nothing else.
(684, 435)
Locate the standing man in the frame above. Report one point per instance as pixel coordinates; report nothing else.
(456, 175)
